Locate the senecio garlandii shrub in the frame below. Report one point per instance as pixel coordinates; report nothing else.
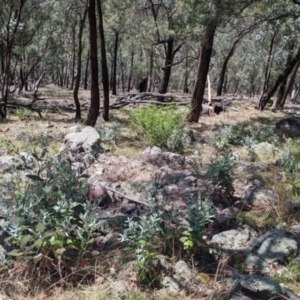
(162, 127)
(48, 212)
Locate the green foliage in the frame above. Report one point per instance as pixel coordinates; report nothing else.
(108, 134)
(22, 113)
(151, 233)
(220, 171)
(162, 127)
(229, 135)
(291, 164)
(197, 217)
(48, 213)
(239, 135)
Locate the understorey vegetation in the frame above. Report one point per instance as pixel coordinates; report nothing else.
(52, 232)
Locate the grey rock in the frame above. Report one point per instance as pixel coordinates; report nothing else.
(252, 167)
(171, 284)
(164, 262)
(255, 264)
(276, 246)
(260, 287)
(182, 271)
(85, 141)
(256, 194)
(288, 293)
(159, 158)
(233, 240)
(6, 163)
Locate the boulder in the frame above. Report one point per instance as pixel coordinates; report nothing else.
(7, 162)
(156, 156)
(276, 246)
(87, 140)
(257, 194)
(232, 241)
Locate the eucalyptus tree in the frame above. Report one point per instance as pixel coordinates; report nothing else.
(117, 21)
(105, 75)
(93, 112)
(215, 14)
(11, 25)
(81, 13)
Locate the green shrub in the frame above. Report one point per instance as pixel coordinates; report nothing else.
(22, 113)
(162, 229)
(162, 127)
(220, 171)
(239, 135)
(48, 213)
(108, 134)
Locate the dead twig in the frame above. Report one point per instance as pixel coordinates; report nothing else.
(124, 196)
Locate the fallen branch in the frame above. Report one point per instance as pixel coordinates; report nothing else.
(124, 196)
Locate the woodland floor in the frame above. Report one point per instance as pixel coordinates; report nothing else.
(55, 123)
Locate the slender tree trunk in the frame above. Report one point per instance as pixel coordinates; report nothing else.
(105, 75)
(282, 86)
(93, 112)
(114, 74)
(289, 87)
(78, 75)
(186, 77)
(203, 67)
(268, 66)
(131, 70)
(167, 67)
(73, 56)
(150, 74)
(86, 74)
(224, 67)
(283, 76)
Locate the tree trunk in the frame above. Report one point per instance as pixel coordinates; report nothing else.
(105, 75)
(289, 87)
(73, 55)
(78, 75)
(167, 67)
(268, 66)
(86, 74)
(150, 75)
(131, 71)
(93, 113)
(114, 73)
(203, 67)
(186, 77)
(282, 86)
(224, 67)
(283, 76)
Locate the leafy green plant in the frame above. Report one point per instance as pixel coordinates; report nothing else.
(22, 113)
(220, 171)
(239, 135)
(151, 233)
(108, 134)
(198, 215)
(162, 127)
(229, 135)
(48, 213)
